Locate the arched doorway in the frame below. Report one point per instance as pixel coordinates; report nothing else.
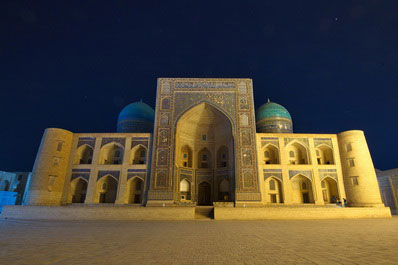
(204, 194)
(107, 189)
(273, 190)
(79, 190)
(329, 190)
(136, 186)
(185, 190)
(204, 142)
(302, 191)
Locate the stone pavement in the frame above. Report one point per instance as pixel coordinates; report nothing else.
(354, 241)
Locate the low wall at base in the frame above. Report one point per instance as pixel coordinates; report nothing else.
(97, 213)
(291, 213)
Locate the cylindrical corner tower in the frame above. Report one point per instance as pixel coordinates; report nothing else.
(49, 170)
(359, 175)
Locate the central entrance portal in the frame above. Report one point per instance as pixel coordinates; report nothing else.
(204, 194)
(204, 156)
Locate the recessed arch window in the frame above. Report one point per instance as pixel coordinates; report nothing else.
(272, 184)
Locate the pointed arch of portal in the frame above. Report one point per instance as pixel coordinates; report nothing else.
(204, 126)
(176, 120)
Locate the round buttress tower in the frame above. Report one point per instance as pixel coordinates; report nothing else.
(359, 175)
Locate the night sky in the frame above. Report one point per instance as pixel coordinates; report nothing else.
(76, 64)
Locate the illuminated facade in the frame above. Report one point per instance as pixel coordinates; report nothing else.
(203, 146)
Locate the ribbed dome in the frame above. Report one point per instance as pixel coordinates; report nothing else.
(136, 117)
(137, 111)
(273, 118)
(272, 110)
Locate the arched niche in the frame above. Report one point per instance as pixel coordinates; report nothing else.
(224, 190)
(273, 190)
(297, 153)
(5, 185)
(324, 155)
(135, 190)
(204, 158)
(222, 156)
(271, 154)
(185, 190)
(330, 191)
(78, 190)
(138, 155)
(207, 132)
(185, 159)
(302, 191)
(106, 189)
(84, 155)
(111, 154)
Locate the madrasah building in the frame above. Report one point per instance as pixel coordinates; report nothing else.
(205, 145)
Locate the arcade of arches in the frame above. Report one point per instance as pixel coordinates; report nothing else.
(204, 146)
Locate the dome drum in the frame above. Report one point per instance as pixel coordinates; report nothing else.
(275, 125)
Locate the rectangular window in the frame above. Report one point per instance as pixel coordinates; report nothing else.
(354, 181)
(273, 198)
(56, 161)
(51, 182)
(351, 162)
(59, 146)
(204, 137)
(348, 147)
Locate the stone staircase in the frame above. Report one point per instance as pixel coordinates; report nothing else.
(204, 212)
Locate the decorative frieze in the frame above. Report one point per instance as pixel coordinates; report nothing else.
(205, 84)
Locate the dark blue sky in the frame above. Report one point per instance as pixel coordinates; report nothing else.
(75, 64)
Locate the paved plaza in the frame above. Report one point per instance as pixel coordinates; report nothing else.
(355, 241)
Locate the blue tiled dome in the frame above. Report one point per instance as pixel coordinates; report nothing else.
(137, 111)
(136, 117)
(272, 110)
(273, 118)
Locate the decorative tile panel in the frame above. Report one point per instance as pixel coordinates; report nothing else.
(90, 141)
(325, 141)
(307, 173)
(102, 173)
(275, 175)
(85, 176)
(107, 140)
(303, 141)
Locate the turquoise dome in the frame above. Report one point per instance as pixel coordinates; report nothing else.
(136, 117)
(272, 110)
(137, 111)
